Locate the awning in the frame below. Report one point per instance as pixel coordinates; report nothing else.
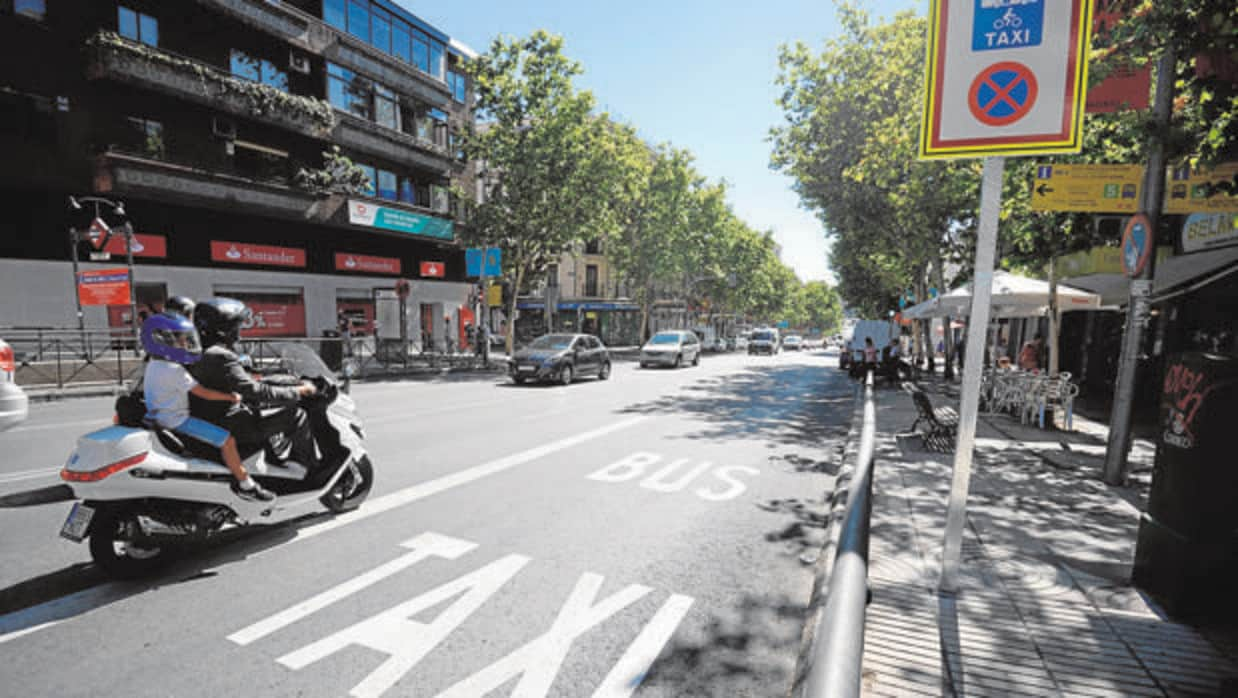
(1114, 289)
(1184, 269)
(1012, 296)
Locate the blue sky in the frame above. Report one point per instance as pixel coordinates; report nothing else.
(698, 74)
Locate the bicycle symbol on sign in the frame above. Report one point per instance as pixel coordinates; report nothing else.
(1010, 20)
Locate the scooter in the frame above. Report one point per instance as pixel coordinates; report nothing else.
(146, 495)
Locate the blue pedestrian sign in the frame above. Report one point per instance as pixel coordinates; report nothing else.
(473, 257)
(494, 261)
(1003, 24)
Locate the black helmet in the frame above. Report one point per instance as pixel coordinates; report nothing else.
(181, 305)
(219, 320)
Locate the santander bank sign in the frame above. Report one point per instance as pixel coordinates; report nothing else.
(265, 255)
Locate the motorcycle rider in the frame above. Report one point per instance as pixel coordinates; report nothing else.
(219, 322)
(180, 305)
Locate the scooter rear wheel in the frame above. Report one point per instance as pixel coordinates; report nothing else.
(352, 488)
(111, 550)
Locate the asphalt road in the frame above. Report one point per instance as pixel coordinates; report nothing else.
(653, 534)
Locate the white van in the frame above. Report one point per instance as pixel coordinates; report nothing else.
(853, 352)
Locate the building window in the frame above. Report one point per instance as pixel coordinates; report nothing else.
(258, 70)
(421, 51)
(406, 191)
(458, 85)
(34, 9)
(438, 119)
(145, 138)
(349, 92)
(335, 12)
(381, 35)
(359, 19)
(260, 163)
(436, 59)
(552, 275)
(399, 41)
(440, 198)
(591, 280)
(386, 109)
(137, 26)
(387, 183)
(593, 246)
(372, 175)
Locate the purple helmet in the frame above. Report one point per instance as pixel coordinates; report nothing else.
(171, 337)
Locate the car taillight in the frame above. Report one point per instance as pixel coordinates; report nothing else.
(100, 473)
(7, 362)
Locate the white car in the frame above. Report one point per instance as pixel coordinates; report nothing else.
(793, 342)
(671, 348)
(14, 405)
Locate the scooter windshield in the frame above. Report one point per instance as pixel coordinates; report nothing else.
(300, 360)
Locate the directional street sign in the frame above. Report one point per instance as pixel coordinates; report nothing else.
(1005, 77)
(1190, 191)
(1094, 188)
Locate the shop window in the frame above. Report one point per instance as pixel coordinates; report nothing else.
(261, 70)
(359, 19)
(34, 9)
(137, 26)
(387, 184)
(335, 13)
(145, 138)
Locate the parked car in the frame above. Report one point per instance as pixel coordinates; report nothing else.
(671, 348)
(763, 342)
(741, 342)
(560, 358)
(14, 405)
(793, 342)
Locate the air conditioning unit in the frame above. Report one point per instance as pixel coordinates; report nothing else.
(223, 128)
(299, 62)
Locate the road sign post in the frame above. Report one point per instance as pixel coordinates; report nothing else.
(1004, 77)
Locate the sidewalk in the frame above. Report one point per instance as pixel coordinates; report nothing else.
(1046, 608)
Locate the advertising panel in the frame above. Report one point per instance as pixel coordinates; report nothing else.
(1205, 231)
(436, 270)
(266, 255)
(347, 261)
(372, 215)
(103, 287)
(154, 246)
(274, 316)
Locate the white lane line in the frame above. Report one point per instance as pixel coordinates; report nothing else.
(426, 489)
(628, 673)
(27, 474)
(96, 421)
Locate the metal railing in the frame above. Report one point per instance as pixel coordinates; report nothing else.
(60, 357)
(838, 645)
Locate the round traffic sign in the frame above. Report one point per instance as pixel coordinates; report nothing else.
(1002, 94)
(1136, 244)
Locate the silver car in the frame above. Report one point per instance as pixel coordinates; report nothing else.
(14, 406)
(671, 348)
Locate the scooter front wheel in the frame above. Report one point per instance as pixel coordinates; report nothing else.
(352, 488)
(112, 549)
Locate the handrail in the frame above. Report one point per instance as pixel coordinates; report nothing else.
(838, 648)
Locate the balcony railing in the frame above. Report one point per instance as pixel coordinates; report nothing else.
(124, 173)
(373, 139)
(112, 56)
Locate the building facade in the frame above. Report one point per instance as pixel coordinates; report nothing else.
(220, 125)
(586, 295)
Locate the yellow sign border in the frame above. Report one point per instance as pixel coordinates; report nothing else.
(1073, 144)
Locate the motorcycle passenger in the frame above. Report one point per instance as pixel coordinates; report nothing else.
(172, 344)
(180, 305)
(219, 322)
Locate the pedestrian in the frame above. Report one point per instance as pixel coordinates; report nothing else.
(870, 355)
(1029, 356)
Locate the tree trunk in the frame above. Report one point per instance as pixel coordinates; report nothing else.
(1054, 317)
(511, 310)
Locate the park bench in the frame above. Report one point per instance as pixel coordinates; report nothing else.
(942, 422)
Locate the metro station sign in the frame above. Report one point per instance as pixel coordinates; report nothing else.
(1005, 77)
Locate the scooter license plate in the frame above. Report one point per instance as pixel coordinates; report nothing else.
(78, 523)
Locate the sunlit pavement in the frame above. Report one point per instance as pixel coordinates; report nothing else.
(653, 533)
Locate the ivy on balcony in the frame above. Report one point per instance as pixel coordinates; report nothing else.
(263, 101)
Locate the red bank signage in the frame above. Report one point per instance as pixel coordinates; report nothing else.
(346, 261)
(143, 246)
(434, 269)
(245, 253)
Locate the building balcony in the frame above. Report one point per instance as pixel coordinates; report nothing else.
(116, 58)
(121, 173)
(316, 36)
(370, 138)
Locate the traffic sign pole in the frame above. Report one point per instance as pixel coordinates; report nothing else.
(1138, 310)
(973, 369)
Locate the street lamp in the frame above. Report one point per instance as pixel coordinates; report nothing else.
(75, 239)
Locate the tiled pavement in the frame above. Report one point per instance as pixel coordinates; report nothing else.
(1045, 608)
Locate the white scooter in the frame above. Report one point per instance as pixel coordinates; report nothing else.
(145, 494)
